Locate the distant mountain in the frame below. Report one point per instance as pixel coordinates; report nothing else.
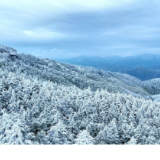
(144, 73)
(109, 63)
(144, 66)
(144, 60)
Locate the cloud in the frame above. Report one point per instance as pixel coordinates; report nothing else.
(92, 27)
(29, 5)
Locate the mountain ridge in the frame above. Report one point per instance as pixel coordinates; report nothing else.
(82, 77)
(122, 64)
(54, 71)
(5, 49)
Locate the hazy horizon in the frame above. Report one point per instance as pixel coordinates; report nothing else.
(122, 56)
(66, 29)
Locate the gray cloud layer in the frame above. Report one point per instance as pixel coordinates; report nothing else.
(60, 30)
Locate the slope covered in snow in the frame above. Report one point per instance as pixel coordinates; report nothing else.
(33, 111)
(5, 49)
(46, 102)
(68, 75)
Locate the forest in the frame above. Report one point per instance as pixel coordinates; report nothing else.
(44, 102)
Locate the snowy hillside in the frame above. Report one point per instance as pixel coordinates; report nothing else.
(36, 112)
(68, 75)
(5, 49)
(46, 102)
(151, 86)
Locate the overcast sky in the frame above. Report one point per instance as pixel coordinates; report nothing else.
(70, 28)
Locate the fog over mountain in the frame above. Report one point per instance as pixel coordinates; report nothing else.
(143, 67)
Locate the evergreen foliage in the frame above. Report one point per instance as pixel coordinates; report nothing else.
(40, 104)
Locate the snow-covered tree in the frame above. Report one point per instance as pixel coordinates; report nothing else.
(132, 141)
(84, 138)
(47, 102)
(109, 135)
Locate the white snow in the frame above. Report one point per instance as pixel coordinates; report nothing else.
(46, 102)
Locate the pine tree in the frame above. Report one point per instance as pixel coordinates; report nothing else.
(109, 135)
(58, 134)
(84, 138)
(16, 133)
(42, 138)
(132, 141)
